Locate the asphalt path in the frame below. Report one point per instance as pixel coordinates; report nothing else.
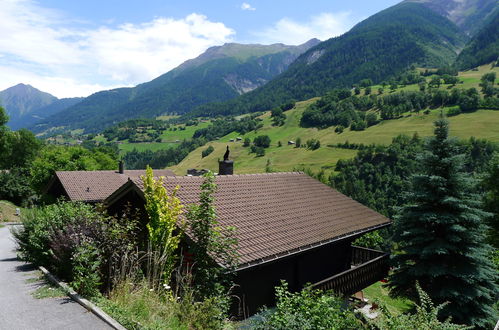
(20, 310)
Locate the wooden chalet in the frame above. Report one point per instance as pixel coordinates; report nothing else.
(289, 226)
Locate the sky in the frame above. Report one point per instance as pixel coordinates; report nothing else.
(76, 48)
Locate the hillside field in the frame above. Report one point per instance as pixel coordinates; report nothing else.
(480, 124)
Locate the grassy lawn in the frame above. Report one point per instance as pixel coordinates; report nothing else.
(8, 212)
(395, 306)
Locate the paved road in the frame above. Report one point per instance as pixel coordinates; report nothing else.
(19, 310)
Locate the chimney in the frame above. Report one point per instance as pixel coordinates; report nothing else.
(226, 166)
(121, 167)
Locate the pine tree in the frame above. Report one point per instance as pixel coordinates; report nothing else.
(439, 238)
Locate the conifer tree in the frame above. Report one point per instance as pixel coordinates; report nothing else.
(439, 238)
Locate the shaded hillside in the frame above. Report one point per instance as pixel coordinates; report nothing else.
(468, 15)
(221, 73)
(483, 48)
(378, 48)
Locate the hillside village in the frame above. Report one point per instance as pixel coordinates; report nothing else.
(351, 183)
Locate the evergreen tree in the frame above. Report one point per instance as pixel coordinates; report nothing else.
(439, 238)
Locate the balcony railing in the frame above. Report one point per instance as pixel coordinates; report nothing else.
(368, 267)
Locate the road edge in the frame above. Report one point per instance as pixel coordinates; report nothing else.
(82, 301)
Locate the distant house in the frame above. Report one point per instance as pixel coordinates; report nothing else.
(92, 186)
(289, 226)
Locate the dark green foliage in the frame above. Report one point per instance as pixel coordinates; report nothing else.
(382, 46)
(439, 237)
(207, 151)
(371, 119)
(483, 48)
(454, 111)
(305, 310)
(136, 160)
(491, 185)
(78, 243)
(378, 175)
(278, 117)
(15, 186)
(313, 144)
(258, 151)
(262, 141)
(247, 142)
(53, 158)
(214, 248)
(298, 142)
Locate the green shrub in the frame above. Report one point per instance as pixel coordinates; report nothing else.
(453, 111)
(39, 224)
(86, 262)
(207, 151)
(307, 309)
(313, 144)
(262, 141)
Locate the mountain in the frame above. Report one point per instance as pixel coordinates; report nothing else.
(468, 15)
(26, 105)
(484, 47)
(378, 48)
(219, 74)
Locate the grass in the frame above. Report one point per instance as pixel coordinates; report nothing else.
(480, 124)
(396, 306)
(143, 146)
(135, 306)
(45, 288)
(8, 212)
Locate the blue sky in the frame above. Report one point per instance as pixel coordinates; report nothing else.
(75, 48)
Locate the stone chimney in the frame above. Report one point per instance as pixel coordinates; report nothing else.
(226, 166)
(121, 167)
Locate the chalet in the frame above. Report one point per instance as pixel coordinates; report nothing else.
(289, 226)
(92, 186)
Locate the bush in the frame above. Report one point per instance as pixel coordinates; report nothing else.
(307, 309)
(454, 111)
(246, 142)
(40, 224)
(313, 144)
(262, 141)
(78, 243)
(207, 151)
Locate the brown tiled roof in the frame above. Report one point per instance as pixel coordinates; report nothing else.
(96, 186)
(277, 214)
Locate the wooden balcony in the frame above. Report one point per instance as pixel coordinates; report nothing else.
(368, 267)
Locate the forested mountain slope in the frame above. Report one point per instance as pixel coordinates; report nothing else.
(378, 48)
(468, 15)
(221, 73)
(483, 48)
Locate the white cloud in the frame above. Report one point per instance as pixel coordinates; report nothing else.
(247, 6)
(322, 26)
(36, 44)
